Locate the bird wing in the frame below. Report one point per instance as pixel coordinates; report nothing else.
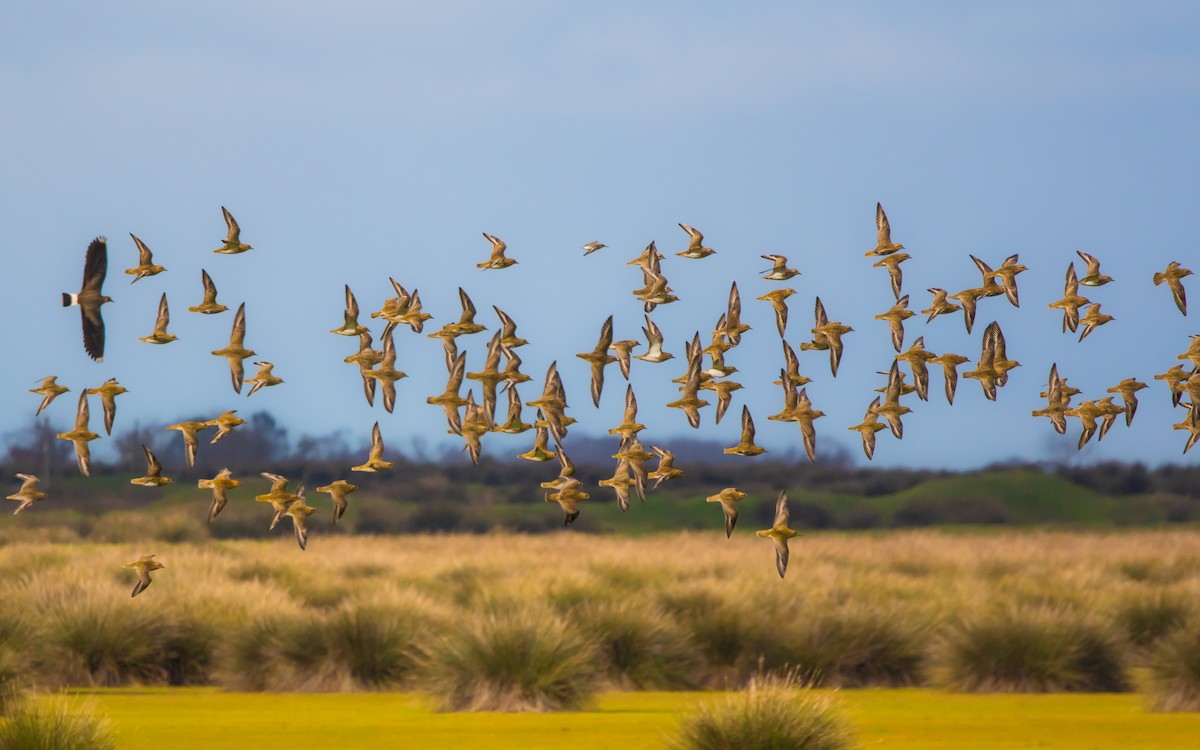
(145, 258)
(237, 336)
(468, 307)
(882, 226)
(93, 330)
(95, 267)
(230, 222)
(164, 315)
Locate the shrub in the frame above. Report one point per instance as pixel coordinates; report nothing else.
(284, 651)
(94, 638)
(638, 645)
(1174, 680)
(375, 644)
(854, 645)
(1147, 617)
(55, 724)
(1032, 649)
(771, 714)
(525, 659)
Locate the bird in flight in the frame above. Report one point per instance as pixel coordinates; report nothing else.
(90, 298)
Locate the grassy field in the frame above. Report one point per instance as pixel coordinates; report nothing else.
(903, 719)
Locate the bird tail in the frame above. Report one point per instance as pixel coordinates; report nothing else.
(70, 299)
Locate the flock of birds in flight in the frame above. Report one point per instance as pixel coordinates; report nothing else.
(706, 370)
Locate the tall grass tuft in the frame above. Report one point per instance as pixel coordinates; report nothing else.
(283, 651)
(771, 714)
(526, 659)
(1032, 649)
(638, 645)
(376, 644)
(55, 724)
(1148, 617)
(857, 644)
(1174, 680)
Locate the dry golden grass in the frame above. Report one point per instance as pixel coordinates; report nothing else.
(678, 611)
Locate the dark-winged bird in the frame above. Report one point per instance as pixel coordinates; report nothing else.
(90, 299)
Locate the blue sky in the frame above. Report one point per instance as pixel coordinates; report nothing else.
(364, 140)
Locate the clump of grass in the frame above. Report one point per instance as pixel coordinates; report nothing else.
(771, 714)
(55, 724)
(11, 673)
(376, 644)
(525, 659)
(1032, 649)
(1147, 617)
(1174, 680)
(97, 639)
(732, 633)
(283, 651)
(639, 646)
(857, 644)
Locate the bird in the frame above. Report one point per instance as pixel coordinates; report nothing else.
(695, 248)
(985, 370)
(1071, 301)
(466, 324)
(728, 498)
(160, 335)
(552, 403)
(366, 358)
(636, 455)
(1007, 274)
(939, 305)
(779, 533)
(513, 424)
(724, 390)
(233, 243)
(220, 486)
(620, 482)
(191, 443)
(1173, 378)
(541, 450)
(1058, 401)
(1086, 412)
(629, 426)
(950, 362)
(654, 344)
(299, 512)
(449, 399)
(350, 325)
(868, 427)
(917, 357)
(337, 491)
(746, 446)
(1174, 278)
(278, 496)
(827, 335)
(108, 394)
(666, 469)
(498, 259)
(567, 489)
(734, 327)
(1092, 319)
(488, 377)
(895, 317)
(153, 476)
(1191, 423)
(474, 426)
(895, 274)
(1092, 277)
(208, 305)
(236, 351)
(143, 565)
(145, 266)
(970, 303)
(374, 460)
(778, 300)
(598, 358)
(90, 298)
(1128, 389)
(28, 494)
(48, 390)
(508, 330)
(804, 414)
(264, 378)
(779, 270)
(891, 409)
(387, 374)
(792, 367)
(624, 350)
(690, 402)
(885, 246)
(224, 424)
(592, 247)
(81, 435)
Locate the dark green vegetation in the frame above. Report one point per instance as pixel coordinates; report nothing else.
(447, 493)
